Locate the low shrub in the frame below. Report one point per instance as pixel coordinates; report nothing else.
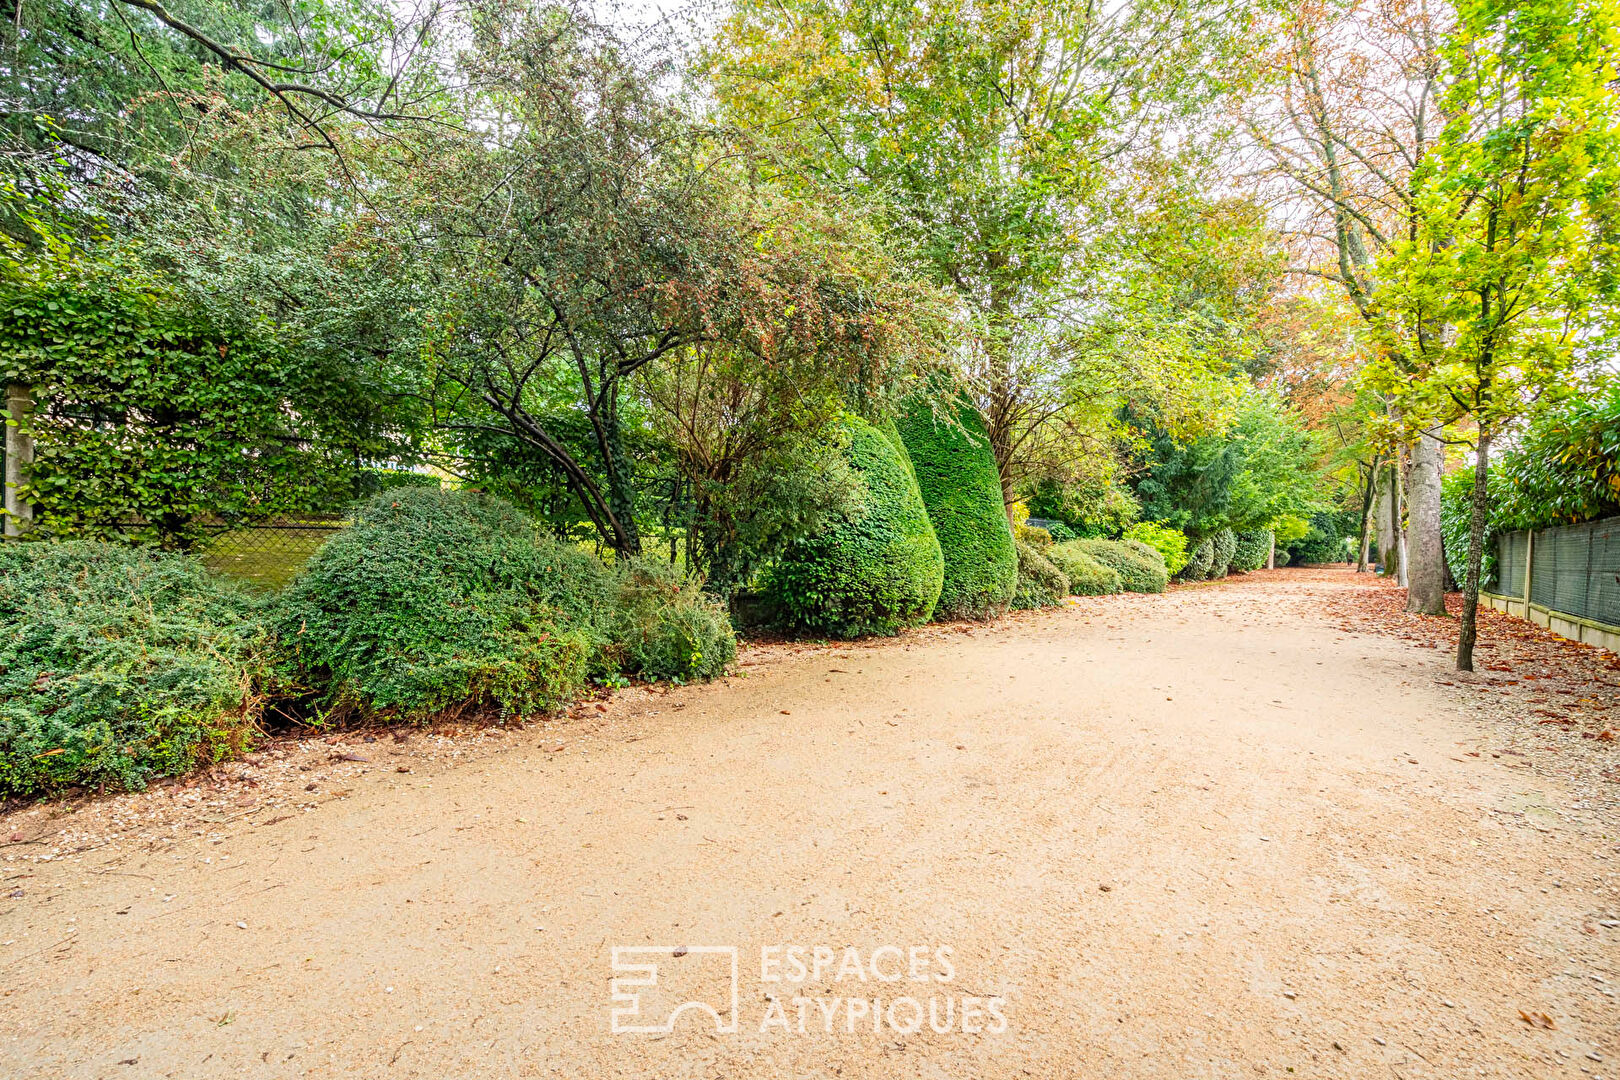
(666, 627)
(875, 571)
(1040, 582)
(1169, 542)
(1034, 535)
(1253, 547)
(1087, 576)
(1060, 531)
(1281, 558)
(118, 665)
(433, 601)
(1224, 546)
(1199, 560)
(1140, 568)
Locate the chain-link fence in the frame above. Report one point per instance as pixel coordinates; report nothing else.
(267, 554)
(1573, 570)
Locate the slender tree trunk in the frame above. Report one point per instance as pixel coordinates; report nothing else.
(1426, 587)
(1386, 535)
(1367, 501)
(1397, 511)
(1468, 632)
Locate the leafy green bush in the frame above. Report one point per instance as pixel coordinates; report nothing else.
(1140, 568)
(960, 485)
(1565, 468)
(875, 571)
(1034, 535)
(1170, 543)
(1199, 560)
(666, 627)
(1324, 542)
(118, 665)
(1253, 547)
(1224, 544)
(1087, 576)
(1040, 582)
(438, 600)
(1281, 558)
(1456, 521)
(1060, 531)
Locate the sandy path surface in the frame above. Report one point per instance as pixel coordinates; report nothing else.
(1205, 834)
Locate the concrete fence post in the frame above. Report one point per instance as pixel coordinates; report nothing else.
(1529, 561)
(19, 456)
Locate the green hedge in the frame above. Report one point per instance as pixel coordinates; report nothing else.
(1224, 547)
(1040, 582)
(1199, 560)
(960, 485)
(437, 600)
(118, 665)
(1087, 576)
(1253, 548)
(877, 570)
(1140, 567)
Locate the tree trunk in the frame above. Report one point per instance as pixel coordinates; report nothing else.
(1467, 634)
(1426, 587)
(1397, 514)
(1367, 501)
(1386, 536)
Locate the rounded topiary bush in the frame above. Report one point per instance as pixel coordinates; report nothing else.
(1199, 560)
(666, 627)
(1140, 568)
(876, 570)
(1087, 576)
(1253, 548)
(118, 665)
(1040, 582)
(961, 487)
(1223, 547)
(435, 601)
